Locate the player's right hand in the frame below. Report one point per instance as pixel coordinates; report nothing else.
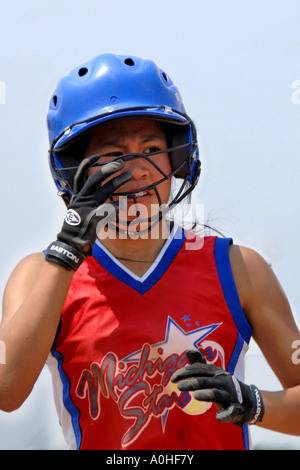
(78, 234)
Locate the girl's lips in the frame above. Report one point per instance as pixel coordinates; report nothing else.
(138, 196)
(141, 193)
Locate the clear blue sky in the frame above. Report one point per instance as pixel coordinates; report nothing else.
(235, 63)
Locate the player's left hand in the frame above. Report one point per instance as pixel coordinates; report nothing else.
(240, 403)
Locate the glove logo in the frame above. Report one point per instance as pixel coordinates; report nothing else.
(72, 217)
(237, 389)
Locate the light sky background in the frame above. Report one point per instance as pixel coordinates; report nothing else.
(235, 63)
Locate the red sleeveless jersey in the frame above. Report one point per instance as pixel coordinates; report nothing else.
(121, 338)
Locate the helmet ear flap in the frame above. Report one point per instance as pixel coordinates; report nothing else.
(179, 156)
(181, 159)
(67, 160)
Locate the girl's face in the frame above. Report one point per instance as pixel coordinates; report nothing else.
(135, 136)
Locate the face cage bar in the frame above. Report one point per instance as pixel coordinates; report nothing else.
(147, 112)
(65, 181)
(151, 221)
(162, 211)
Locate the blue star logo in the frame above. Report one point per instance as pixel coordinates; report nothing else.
(176, 341)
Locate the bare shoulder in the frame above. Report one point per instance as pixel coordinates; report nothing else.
(254, 276)
(246, 257)
(249, 270)
(28, 266)
(255, 279)
(267, 310)
(19, 282)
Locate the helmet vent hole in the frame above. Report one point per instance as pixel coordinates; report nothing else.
(82, 72)
(165, 76)
(129, 62)
(55, 100)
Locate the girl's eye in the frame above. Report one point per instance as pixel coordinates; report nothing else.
(151, 150)
(113, 154)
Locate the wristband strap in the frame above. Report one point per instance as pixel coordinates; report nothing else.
(260, 409)
(64, 255)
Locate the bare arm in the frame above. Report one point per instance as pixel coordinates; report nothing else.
(282, 411)
(32, 303)
(274, 329)
(36, 291)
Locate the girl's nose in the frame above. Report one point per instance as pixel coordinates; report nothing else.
(138, 168)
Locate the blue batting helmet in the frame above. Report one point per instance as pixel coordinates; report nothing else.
(113, 87)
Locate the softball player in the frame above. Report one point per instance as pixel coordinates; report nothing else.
(144, 325)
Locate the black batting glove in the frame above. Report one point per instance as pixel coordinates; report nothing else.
(78, 234)
(241, 404)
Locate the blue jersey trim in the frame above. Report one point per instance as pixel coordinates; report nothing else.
(232, 299)
(154, 274)
(229, 287)
(69, 405)
(246, 436)
(236, 354)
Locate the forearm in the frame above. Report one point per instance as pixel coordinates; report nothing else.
(29, 333)
(282, 411)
